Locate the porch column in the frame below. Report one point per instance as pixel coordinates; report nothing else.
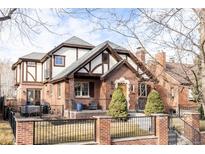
(103, 94)
(71, 88)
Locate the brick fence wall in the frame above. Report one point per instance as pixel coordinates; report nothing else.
(24, 132)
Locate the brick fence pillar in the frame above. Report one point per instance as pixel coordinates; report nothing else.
(103, 136)
(162, 128)
(24, 132)
(191, 127)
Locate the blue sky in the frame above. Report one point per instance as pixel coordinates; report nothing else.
(13, 46)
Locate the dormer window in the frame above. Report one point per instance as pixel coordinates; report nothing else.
(59, 60)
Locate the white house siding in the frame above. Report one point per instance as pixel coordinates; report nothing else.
(39, 72)
(123, 56)
(18, 73)
(112, 61)
(24, 71)
(70, 57)
(31, 72)
(96, 61)
(82, 70)
(131, 62)
(81, 52)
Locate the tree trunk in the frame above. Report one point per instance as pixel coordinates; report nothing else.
(202, 53)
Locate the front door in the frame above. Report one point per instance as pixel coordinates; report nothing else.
(34, 96)
(123, 86)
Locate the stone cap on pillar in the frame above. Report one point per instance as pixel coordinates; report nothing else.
(191, 113)
(159, 115)
(102, 117)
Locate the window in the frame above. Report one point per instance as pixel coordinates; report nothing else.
(59, 60)
(143, 89)
(59, 90)
(31, 64)
(172, 92)
(33, 96)
(82, 89)
(132, 88)
(105, 58)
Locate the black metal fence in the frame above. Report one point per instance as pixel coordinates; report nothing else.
(185, 129)
(12, 121)
(64, 131)
(133, 127)
(38, 110)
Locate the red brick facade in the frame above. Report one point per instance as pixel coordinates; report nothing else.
(24, 132)
(102, 93)
(172, 92)
(162, 129)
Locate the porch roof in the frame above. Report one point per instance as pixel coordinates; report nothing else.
(117, 65)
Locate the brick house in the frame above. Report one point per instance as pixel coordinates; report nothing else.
(174, 86)
(77, 71)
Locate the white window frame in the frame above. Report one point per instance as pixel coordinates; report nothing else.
(141, 89)
(63, 60)
(81, 83)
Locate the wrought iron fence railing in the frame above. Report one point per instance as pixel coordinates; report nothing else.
(133, 127)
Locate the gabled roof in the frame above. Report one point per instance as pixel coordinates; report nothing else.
(118, 65)
(117, 47)
(77, 41)
(180, 72)
(88, 56)
(34, 56)
(142, 66)
(74, 42)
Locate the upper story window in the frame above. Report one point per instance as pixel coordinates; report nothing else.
(59, 60)
(31, 64)
(143, 89)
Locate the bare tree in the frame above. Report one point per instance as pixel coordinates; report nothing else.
(178, 30)
(29, 22)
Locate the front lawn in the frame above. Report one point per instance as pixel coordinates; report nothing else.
(51, 133)
(6, 135)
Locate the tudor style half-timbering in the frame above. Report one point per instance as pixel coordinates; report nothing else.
(76, 71)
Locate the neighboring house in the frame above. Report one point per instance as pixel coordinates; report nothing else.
(174, 86)
(77, 71)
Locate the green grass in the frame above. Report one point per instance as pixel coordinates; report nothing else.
(6, 135)
(49, 133)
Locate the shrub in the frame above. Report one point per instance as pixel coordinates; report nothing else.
(154, 103)
(118, 105)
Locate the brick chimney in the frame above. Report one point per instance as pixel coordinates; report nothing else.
(140, 54)
(160, 58)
